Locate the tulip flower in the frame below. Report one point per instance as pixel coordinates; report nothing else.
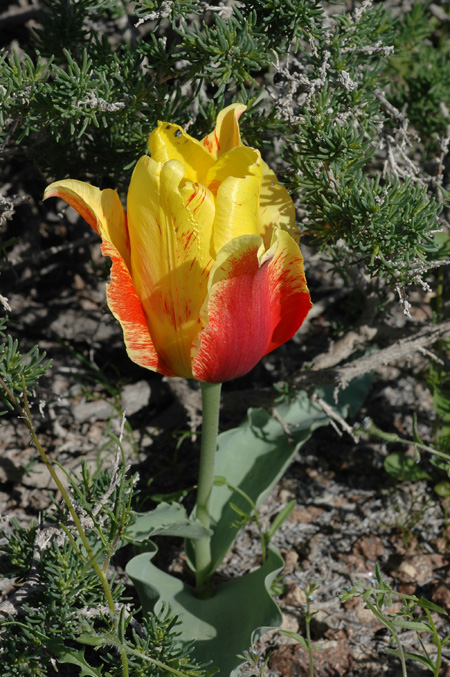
(207, 274)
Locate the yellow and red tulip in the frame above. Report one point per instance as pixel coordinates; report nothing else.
(207, 275)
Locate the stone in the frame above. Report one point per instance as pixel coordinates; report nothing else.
(371, 547)
(135, 397)
(331, 658)
(93, 410)
(38, 477)
(295, 596)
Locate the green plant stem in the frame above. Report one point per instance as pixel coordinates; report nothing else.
(309, 648)
(25, 413)
(437, 642)
(393, 437)
(393, 632)
(439, 345)
(210, 426)
(440, 294)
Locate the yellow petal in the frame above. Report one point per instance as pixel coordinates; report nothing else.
(102, 210)
(170, 224)
(226, 134)
(236, 180)
(276, 208)
(171, 142)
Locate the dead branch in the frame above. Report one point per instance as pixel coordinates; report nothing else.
(340, 376)
(403, 349)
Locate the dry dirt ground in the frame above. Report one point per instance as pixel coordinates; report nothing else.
(349, 514)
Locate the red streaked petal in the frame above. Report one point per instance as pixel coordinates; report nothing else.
(255, 304)
(238, 322)
(104, 212)
(170, 225)
(290, 299)
(126, 307)
(101, 209)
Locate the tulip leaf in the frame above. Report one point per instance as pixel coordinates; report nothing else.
(442, 240)
(166, 519)
(222, 626)
(254, 456)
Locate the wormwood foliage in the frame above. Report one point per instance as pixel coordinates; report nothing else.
(423, 83)
(328, 90)
(18, 371)
(382, 220)
(58, 616)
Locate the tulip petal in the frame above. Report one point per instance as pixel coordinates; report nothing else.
(235, 179)
(101, 209)
(226, 134)
(257, 301)
(171, 142)
(126, 307)
(170, 224)
(276, 208)
(290, 298)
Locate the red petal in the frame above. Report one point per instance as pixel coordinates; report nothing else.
(253, 308)
(126, 307)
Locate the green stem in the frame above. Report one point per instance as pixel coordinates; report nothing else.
(393, 437)
(309, 647)
(437, 643)
(401, 655)
(202, 546)
(378, 614)
(440, 348)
